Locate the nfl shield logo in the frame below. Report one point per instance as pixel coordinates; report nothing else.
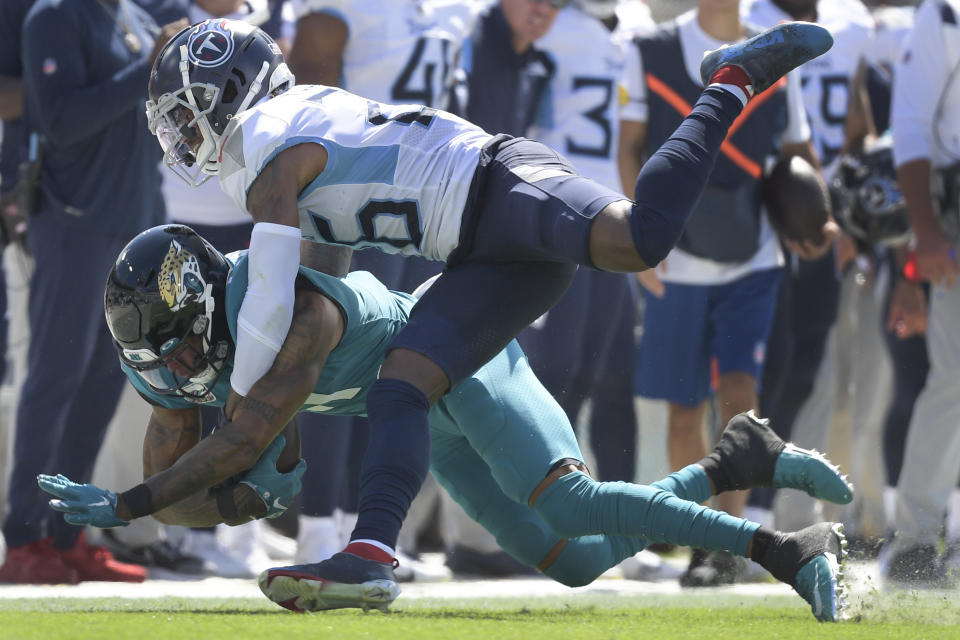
(211, 44)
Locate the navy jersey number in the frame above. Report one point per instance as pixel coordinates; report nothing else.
(597, 115)
(423, 116)
(419, 81)
(367, 217)
(833, 109)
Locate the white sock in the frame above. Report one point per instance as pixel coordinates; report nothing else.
(735, 90)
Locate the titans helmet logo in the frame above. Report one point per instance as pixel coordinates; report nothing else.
(211, 44)
(180, 281)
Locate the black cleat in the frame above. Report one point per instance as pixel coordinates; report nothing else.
(811, 561)
(749, 454)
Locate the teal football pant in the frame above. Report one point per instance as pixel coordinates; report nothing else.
(495, 437)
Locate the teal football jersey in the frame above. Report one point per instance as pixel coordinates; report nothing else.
(373, 315)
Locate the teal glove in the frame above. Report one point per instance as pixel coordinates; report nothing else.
(83, 504)
(277, 490)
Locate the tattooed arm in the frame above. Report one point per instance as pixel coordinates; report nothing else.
(173, 432)
(272, 402)
(273, 195)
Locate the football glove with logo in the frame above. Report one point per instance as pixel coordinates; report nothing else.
(276, 489)
(83, 504)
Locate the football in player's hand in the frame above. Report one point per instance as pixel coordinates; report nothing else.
(797, 200)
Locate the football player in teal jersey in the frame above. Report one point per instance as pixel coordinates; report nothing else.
(501, 445)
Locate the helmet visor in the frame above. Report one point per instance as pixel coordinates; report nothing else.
(179, 136)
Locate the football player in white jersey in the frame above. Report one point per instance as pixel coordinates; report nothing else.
(395, 51)
(510, 217)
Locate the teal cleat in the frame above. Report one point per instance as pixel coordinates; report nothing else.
(810, 471)
(821, 551)
(770, 55)
(749, 454)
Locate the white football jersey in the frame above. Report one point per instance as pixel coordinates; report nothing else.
(826, 79)
(396, 178)
(581, 119)
(399, 51)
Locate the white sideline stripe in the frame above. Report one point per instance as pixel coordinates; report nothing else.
(458, 589)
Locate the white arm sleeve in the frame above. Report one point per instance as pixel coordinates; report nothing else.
(267, 309)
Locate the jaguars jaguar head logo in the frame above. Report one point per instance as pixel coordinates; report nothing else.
(180, 280)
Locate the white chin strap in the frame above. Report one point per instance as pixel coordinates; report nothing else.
(210, 304)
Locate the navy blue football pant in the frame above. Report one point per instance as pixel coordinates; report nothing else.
(910, 365)
(73, 382)
(585, 349)
(520, 245)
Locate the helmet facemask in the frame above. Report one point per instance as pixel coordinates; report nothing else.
(179, 366)
(200, 98)
(189, 143)
(165, 308)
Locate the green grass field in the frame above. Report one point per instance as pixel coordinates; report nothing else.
(877, 617)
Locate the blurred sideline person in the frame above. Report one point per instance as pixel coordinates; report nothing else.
(804, 364)
(907, 298)
(503, 74)
(713, 296)
(501, 445)
(392, 52)
(12, 152)
(361, 173)
(85, 65)
(926, 129)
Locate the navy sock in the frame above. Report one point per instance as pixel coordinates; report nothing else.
(673, 178)
(396, 462)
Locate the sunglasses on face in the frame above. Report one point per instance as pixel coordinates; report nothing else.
(556, 4)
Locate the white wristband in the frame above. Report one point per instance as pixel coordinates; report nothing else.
(264, 320)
